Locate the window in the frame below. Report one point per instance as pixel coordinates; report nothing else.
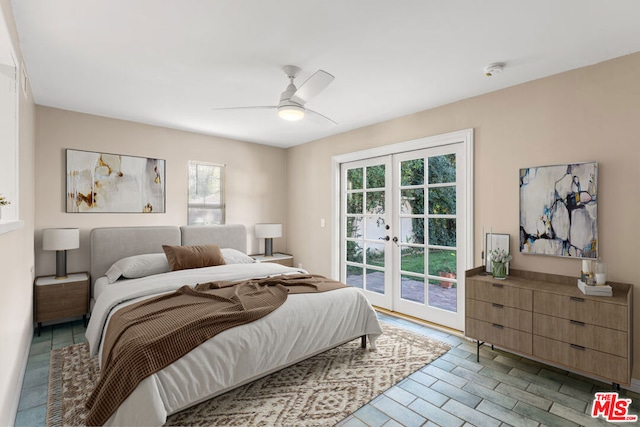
(206, 193)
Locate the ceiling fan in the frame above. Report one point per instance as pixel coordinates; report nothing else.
(292, 100)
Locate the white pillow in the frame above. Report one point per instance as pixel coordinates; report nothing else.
(234, 256)
(137, 266)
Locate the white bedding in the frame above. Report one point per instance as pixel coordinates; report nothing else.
(100, 285)
(305, 325)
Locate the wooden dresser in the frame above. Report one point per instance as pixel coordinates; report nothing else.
(546, 317)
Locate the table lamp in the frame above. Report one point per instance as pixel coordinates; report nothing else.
(60, 240)
(268, 232)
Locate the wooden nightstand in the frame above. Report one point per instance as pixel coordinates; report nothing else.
(277, 257)
(55, 299)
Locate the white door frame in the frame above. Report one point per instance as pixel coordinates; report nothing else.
(464, 136)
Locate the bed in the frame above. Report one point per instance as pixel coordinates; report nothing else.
(305, 325)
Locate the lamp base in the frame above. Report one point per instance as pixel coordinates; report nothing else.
(268, 246)
(61, 265)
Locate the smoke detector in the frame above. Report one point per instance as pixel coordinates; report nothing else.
(493, 69)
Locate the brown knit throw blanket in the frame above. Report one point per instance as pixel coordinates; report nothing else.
(145, 337)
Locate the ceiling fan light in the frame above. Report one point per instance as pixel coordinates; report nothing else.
(291, 112)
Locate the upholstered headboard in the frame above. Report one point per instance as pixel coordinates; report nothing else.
(226, 236)
(110, 244)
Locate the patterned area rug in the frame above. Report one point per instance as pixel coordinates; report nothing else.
(319, 391)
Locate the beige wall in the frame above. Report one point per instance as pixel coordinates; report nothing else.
(16, 262)
(255, 177)
(590, 114)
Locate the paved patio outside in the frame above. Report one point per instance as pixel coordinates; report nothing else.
(412, 290)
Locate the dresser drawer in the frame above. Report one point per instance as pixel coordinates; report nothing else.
(500, 293)
(605, 365)
(590, 336)
(585, 310)
(500, 314)
(500, 335)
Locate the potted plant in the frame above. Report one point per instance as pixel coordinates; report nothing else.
(448, 270)
(499, 260)
(3, 202)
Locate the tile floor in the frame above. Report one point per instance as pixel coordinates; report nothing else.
(32, 409)
(454, 390)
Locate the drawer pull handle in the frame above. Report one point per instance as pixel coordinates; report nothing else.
(497, 285)
(576, 322)
(497, 305)
(577, 347)
(577, 299)
(495, 325)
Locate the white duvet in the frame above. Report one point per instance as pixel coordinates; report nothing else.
(306, 324)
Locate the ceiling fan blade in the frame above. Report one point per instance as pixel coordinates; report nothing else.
(262, 107)
(320, 116)
(313, 86)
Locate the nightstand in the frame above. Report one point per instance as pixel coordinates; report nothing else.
(55, 299)
(277, 257)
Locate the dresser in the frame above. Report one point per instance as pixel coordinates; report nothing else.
(546, 317)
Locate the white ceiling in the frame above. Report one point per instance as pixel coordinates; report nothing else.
(172, 62)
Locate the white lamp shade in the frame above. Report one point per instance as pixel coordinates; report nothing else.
(266, 231)
(59, 239)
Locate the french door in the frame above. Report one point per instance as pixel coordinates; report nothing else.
(403, 231)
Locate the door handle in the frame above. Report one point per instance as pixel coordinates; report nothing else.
(395, 240)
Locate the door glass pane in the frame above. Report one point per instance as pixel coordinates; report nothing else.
(442, 200)
(443, 295)
(375, 228)
(412, 288)
(375, 254)
(354, 227)
(375, 202)
(412, 230)
(442, 169)
(442, 231)
(412, 202)
(412, 259)
(354, 203)
(375, 176)
(354, 179)
(354, 251)
(375, 281)
(354, 276)
(442, 262)
(412, 172)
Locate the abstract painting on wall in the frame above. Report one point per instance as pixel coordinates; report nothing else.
(103, 182)
(559, 210)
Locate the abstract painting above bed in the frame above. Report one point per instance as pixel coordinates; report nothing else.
(103, 182)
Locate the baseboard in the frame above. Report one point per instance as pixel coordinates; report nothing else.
(635, 385)
(15, 402)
